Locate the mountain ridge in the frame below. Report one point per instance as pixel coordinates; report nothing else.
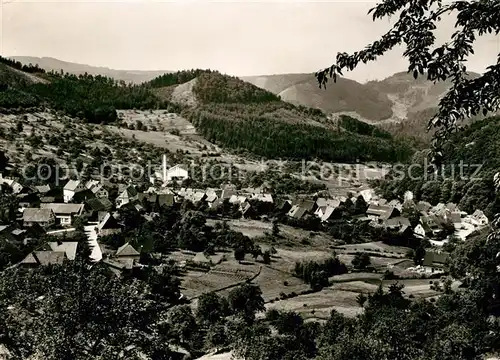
(53, 64)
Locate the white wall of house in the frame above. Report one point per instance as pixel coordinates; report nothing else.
(64, 219)
(68, 195)
(177, 173)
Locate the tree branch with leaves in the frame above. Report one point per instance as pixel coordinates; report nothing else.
(415, 30)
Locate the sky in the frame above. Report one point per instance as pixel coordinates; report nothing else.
(240, 38)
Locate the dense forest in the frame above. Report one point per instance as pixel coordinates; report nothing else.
(217, 88)
(175, 78)
(470, 160)
(272, 136)
(32, 69)
(94, 98)
(231, 112)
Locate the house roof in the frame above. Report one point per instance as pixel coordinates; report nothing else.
(321, 202)
(147, 197)
(71, 185)
(68, 247)
(397, 222)
(127, 190)
(37, 215)
(327, 214)
(47, 199)
(334, 203)
(178, 166)
(211, 197)
(264, 197)
(307, 205)
(64, 209)
(201, 258)
(91, 183)
(108, 222)
(423, 206)
(95, 204)
(127, 250)
(45, 257)
(97, 188)
(435, 258)
(297, 212)
(3, 227)
(17, 232)
(382, 211)
(42, 189)
(283, 204)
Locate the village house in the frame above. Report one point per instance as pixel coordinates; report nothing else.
(108, 226)
(211, 196)
(43, 258)
(297, 212)
(397, 222)
(330, 214)
(177, 173)
(126, 194)
(41, 189)
(64, 212)
(68, 247)
(71, 188)
(381, 213)
(42, 217)
(247, 210)
(284, 206)
(127, 255)
(97, 189)
(435, 261)
(13, 184)
(95, 206)
(237, 199)
(268, 198)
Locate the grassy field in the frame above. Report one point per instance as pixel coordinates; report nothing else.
(320, 304)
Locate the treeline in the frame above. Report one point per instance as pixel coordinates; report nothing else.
(316, 273)
(214, 87)
(272, 137)
(176, 78)
(19, 66)
(470, 161)
(359, 127)
(94, 98)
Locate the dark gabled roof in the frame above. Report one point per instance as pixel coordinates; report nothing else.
(384, 212)
(435, 258)
(108, 222)
(96, 204)
(307, 205)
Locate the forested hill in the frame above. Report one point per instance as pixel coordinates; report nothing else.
(94, 98)
(470, 185)
(245, 118)
(226, 110)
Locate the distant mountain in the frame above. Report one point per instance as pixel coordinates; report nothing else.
(401, 104)
(51, 64)
(238, 115)
(346, 96)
